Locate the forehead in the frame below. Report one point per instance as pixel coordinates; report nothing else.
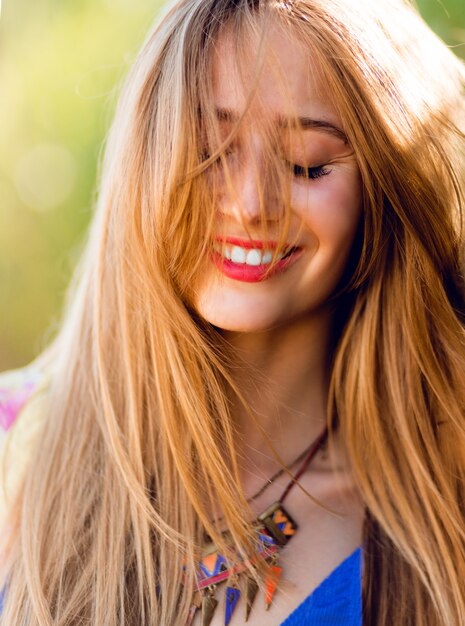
(290, 82)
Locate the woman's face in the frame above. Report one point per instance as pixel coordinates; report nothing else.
(234, 292)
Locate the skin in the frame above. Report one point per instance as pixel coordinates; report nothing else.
(280, 328)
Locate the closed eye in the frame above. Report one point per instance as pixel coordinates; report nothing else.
(300, 171)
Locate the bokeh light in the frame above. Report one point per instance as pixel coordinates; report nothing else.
(45, 176)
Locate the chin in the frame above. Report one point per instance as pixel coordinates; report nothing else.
(244, 328)
(238, 319)
(239, 324)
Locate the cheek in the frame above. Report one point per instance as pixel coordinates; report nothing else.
(331, 210)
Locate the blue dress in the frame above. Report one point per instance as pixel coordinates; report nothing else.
(337, 601)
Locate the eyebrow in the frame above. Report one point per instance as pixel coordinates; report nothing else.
(305, 123)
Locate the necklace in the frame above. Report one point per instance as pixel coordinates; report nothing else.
(278, 474)
(274, 528)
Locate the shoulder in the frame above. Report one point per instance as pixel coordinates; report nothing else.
(22, 394)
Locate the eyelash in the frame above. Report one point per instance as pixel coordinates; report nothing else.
(311, 173)
(299, 171)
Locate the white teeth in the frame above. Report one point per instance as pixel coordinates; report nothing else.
(238, 254)
(267, 257)
(254, 257)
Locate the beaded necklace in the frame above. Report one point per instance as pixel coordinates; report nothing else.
(274, 528)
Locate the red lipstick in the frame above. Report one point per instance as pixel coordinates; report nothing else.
(253, 273)
(248, 244)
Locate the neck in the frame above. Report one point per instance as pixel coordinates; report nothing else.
(283, 376)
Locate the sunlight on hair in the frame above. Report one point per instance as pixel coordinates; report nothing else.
(141, 440)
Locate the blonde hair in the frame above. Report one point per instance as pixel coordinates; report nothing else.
(138, 440)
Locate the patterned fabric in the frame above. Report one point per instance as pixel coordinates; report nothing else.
(16, 388)
(21, 412)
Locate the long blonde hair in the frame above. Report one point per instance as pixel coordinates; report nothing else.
(138, 439)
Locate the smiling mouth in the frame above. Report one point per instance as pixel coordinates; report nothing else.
(252, 256)
(251, 261)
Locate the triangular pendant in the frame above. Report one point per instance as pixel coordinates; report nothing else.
(209, 604)
(251, 592)
(231, 600)
(271, 583)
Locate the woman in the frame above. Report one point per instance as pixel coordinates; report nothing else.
(276, 255)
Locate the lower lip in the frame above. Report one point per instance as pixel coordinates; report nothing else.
(253, 273)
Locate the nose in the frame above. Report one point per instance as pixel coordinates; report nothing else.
(248, 199)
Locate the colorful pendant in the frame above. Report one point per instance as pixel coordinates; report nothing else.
(271, 584)
(231, 599)
(279, 523)
(251, 592)
(274, 528)
(209, 604)
(213, 564)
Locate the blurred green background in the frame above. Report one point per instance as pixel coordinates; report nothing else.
(61, 62)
